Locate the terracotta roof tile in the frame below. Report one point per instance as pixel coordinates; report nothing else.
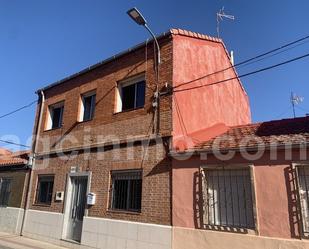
(14, 158)
(276, 132)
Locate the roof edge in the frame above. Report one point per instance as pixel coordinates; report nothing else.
(172, 31)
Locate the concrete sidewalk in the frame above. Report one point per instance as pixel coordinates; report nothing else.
(8, 241)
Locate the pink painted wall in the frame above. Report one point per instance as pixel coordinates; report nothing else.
(204, 107)
(275, 194)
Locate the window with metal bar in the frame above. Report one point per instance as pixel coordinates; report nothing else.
(5, 191)
(127, 190)
(303, 179)
(228, 198)
(44, 190)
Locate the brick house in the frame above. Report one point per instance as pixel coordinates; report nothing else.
(102, 175)
(14, 172)
(246, 187)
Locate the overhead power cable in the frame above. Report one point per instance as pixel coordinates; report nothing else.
(12, 143)
(245, 75)
(253, 59)
(19, 109)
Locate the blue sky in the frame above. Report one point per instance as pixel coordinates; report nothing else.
(44, 41)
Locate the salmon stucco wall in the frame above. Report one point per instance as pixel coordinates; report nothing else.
(201, 108)
(275, 194)
(184, 238)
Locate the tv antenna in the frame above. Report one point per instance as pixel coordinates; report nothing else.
(295, 100)
(220, 16)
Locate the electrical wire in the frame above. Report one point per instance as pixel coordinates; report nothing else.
(245, 75)
(19, 109)
(252, 60)
(12, 143)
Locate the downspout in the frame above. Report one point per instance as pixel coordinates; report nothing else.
(32, 159)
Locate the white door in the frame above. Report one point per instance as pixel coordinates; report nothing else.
(77, 207)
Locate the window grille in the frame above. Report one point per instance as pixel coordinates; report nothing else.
(127, 190)
(45, 190)
(228, 198)
(5, 191)
(303, 180)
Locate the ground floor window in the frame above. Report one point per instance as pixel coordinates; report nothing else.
(126, 190)
(303, 179)
(228, 198)
(44, 189)
(5, 191)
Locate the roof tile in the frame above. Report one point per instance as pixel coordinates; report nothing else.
(275, 132)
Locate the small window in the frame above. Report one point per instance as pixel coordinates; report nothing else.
(55, 116)
(127, 190)
(45, 189)
(5, 191)
(228, 198)
(303, 179)
(131, 94)
(87, 106)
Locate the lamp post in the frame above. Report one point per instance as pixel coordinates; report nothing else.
(140, 20)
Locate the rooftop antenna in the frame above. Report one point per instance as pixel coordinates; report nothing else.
(295, 100)
(220, 16)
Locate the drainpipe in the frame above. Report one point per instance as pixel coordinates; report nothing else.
(32, 159)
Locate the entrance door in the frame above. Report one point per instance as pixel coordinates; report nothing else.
(78, 205)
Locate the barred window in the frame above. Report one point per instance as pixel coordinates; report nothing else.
(5, 191)
(303, 179)
(228, 198)
(126, 190)
(45, 190)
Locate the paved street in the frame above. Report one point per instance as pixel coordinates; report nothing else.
(8, 241)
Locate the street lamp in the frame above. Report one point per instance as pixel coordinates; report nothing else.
(140, 20)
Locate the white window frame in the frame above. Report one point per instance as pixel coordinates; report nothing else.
(130, 81)
(253, 230)
(82, 105)
(50, 109)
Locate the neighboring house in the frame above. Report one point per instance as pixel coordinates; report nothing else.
(14, 172)
(245, 188)
(102, 176)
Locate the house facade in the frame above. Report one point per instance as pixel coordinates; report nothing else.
(14, 175)
(247, 187)
(102, 175)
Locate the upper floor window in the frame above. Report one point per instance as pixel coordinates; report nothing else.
(44, 191)
(55, 116)
(127, 190)
(87, 106)
(131, 94)
(5, 191)
(228, 198)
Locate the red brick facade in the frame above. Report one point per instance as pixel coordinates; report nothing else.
(108, 125)
(136, 125)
